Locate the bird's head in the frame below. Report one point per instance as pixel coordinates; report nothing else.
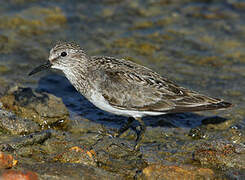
(62, 56)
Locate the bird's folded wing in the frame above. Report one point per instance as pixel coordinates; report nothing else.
(151, 92)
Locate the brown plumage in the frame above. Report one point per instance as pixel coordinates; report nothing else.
(125, 88)
(126, 85)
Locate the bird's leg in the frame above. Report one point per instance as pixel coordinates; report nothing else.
(140, 134)
(124, 127)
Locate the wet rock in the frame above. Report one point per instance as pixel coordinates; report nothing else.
(31, 139)
(45, 109)
(19, 175)
(58, 143)
(6, 148)
(237, 134)
(71, 171)
(77, 155)
(80, 132)
(7, 161)
(198, 133)
(165, 172)
(16, 125)
(221, 154)
(81, 126)
(117, 155)
(41, 147)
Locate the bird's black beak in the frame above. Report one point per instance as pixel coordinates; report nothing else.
(47, 65)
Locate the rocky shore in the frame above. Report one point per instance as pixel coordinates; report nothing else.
(43, 143)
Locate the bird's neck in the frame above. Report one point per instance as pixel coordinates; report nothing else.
(77, 75)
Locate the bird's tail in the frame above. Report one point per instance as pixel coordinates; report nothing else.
(212, 106)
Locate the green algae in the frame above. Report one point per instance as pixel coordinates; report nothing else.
(3, 69)
(143, 25)
(43, 20)
(143, 48)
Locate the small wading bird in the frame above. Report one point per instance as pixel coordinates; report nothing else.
(124, 88)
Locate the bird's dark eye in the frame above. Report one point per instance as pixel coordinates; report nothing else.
(63, 54)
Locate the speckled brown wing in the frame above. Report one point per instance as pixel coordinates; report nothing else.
(139, 88)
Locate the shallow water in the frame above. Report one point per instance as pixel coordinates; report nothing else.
(198, 44)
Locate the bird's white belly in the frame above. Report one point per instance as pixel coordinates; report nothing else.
(99, 101)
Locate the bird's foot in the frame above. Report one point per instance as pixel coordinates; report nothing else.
(140, 134)
(114, 134)
(124, 127)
